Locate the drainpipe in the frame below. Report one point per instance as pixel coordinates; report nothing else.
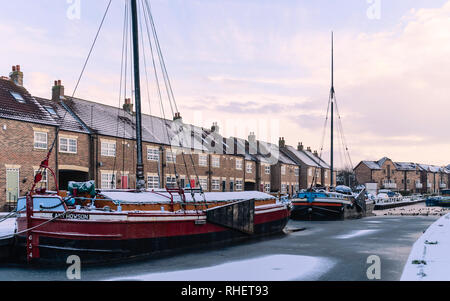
(56, 156)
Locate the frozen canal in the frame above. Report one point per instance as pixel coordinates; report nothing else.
(335, 250)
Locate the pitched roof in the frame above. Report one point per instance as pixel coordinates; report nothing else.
(62, 116)
(372, 165)
(317, 159)
(26, 109)
(405, 166)
(301, 157)
(115, 122)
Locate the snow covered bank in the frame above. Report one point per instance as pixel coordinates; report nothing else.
(413, 210)
(269, 268)
(7, 227)
(430, 257)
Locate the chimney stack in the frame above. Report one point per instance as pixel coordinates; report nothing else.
(177, 117)
(282, 143)
(215, 128)
(57, 91)
(309, 149)
(128, 106)
(316, 154)
(16, 75)
(300, 146)
(252, 144)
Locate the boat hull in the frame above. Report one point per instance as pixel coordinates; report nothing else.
(97, 240)
(323, 210)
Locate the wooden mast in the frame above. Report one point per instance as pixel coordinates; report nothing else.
(140, 181)
(332, 109)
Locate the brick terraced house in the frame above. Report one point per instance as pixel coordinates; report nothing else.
(96, 142)
(405, 177)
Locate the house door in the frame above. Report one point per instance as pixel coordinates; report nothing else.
(125, 182)
(12, 185)
(231, 186)
(224, 186)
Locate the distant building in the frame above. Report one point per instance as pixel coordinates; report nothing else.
(405, 177)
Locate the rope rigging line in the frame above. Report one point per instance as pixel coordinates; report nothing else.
(324, 132)
(164, 125)
(168, 85)
(161, 57)
(343, 138)
(123, 66)
(52, 146)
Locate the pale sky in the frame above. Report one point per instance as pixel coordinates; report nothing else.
(251, 63)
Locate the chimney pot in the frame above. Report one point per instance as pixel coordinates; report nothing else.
(18, 67)
(57, 91)
(13, 68)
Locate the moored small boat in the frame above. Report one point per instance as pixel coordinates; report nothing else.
(323, 205)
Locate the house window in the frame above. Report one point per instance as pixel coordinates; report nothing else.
(108, 181)
(239, 185)
(283, 170)
(152, 182)
(283, 188)
(238, 164)
(267, 188)
(249, 168)
(216, 162)
(310, 172)
(18, 97)
(267, 169)
(203, 184)
(171, 182)
(297, 171)
(171, 157)
(203, 160)
(40, 140)
(153, 154)
(326, 174)
(108, 149)
(68, 145)
(215, 185)
(44, 182)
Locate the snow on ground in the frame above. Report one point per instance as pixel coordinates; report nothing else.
(356, 233)
(430, 257)
(7, 227)
(413, 210)
(269, 268)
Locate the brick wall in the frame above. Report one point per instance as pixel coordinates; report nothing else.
(18, 152)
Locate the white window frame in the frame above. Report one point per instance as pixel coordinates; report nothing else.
(108, 149)
(67, 145)
(171, 156)
(283, 170)
(153, 182)
(215, 184)
(267, 188)
(171, 182)
(38, 144)
(283, 188)
(203, 160)
(106, 183)
(297, 171)
(153, 154)
(203, 183)
(239, 185)
(239, 164)
(249, 168)
(215, 162)
(267, 169)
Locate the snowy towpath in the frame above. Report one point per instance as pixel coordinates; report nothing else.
(429, 259)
